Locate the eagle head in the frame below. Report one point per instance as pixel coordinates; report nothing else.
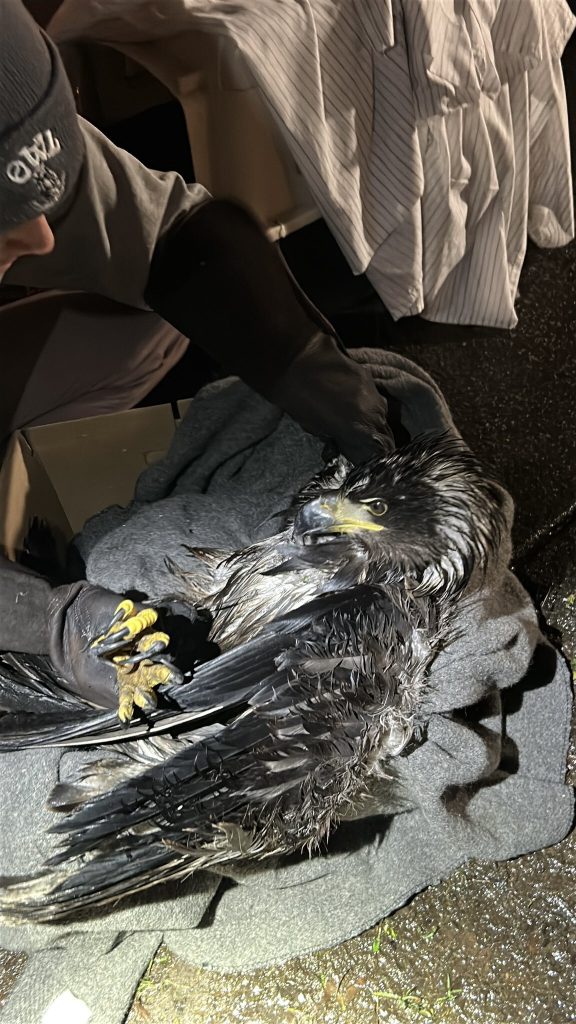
(425, 512)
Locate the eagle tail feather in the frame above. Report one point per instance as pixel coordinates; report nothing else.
(73, 888)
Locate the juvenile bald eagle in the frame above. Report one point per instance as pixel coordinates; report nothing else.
(328, 631)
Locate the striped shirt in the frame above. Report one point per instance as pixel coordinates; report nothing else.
(432, 134)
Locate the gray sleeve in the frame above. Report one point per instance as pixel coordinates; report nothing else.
(106, 238)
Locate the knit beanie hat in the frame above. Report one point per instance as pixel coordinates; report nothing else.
(40, 142)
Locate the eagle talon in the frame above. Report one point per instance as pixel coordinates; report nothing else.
(142, 653)
(126, 624)
(137, 679)
(136, 687)
(138, 657)
(176, 676)
(153, 643)
(108, 644)
(124, 610)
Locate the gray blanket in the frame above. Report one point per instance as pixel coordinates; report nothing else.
(487, 782)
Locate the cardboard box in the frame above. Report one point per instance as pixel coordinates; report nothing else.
(64, 473)
(238, 150)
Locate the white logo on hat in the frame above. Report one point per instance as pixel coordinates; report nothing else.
(31, 158)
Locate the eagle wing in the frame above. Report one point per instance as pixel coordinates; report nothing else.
(301, 718)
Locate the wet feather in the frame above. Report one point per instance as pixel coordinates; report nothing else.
(328, 631)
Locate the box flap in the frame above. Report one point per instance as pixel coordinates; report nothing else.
(26, 493)
(182, 405)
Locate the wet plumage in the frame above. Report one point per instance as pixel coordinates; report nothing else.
(328, 631)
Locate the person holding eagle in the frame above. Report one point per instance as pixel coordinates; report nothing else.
(80, 215)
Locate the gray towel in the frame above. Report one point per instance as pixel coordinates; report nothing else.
(234, 462)
(487, 782)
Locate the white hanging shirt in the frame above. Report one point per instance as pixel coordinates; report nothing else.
(433, 134)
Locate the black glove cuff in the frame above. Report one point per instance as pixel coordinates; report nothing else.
(59, 606)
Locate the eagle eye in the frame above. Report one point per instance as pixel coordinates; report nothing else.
(376, 505)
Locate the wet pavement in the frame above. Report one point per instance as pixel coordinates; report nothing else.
(495, 943)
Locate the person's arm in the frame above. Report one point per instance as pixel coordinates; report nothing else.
(217, 278)
(146, 238)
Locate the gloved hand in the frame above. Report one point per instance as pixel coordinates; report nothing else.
(332, 396)
(106, 647)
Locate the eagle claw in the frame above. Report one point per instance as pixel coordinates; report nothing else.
(126, 624)
(138, 657)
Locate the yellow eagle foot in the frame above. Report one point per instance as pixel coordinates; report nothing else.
(126, 624)
(138, 656)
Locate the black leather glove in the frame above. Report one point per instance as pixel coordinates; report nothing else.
(218, 279)
(106, 648)
(332, 396)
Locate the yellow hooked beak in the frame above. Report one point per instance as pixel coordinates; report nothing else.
(334, 515)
